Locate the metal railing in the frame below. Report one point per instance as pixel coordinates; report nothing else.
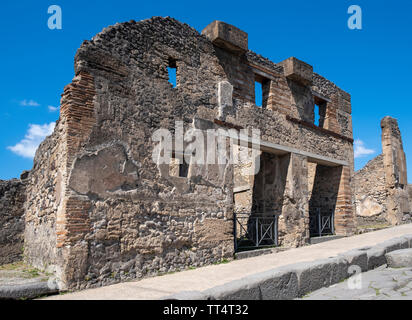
(321, 224)
(255, 231)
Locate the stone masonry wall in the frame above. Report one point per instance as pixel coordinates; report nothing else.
(287, 117)
(381, 188)
(44, 196)
(371, 193)
(12, 197)
(119, 217)
(99, 210)
(396, 178)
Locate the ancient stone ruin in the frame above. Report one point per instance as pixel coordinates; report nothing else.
(12, 197)
(383, 196)
(96, 208)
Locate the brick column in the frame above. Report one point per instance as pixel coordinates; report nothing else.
(331, 118)
(279, 96)
(394, 162)
(344, 211)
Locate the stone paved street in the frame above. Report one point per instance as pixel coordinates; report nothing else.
(379, 284)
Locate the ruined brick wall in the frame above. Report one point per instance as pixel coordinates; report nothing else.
(381, 188)
(103, 211)
(371, 193)
(119, 217)
(12, 197)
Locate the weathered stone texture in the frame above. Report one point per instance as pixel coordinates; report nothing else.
(298, 70)
(395, 172)
(45, 193)
(294, 214)
(100, 210)
(371, 193)
(227, 36)
(119, 217)
(12, 197)
(382, 193)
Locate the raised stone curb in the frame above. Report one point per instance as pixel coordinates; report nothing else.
(318, 274)
(276, 284)
(394, 244)
(296, 280)
(399, 258)
(409, 238)
(376, 257)
(27, 291)
(356, 257)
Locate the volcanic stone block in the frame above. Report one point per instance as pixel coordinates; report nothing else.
(29, 290)
(227, 36)
(376, 257)
(399, 258)
(339, 269)
(298, 70)
(394, 244)
(276, 284)
(242, 289)
(408, 237)
(356, 258)
(318, 274)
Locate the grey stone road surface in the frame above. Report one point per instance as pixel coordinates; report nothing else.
(379, 284)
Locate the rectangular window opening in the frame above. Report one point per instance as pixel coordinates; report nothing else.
(261, 91)
(172, 72)
(319, 111)
(258, 94)
(317, 116)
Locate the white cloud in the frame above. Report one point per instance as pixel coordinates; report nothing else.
(52, 108)
(34, 136)
(29, 103)
(360, 150)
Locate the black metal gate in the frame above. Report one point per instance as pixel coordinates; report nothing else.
(320, 223)
(255, 231)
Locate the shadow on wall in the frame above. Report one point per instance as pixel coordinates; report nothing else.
(324, 194)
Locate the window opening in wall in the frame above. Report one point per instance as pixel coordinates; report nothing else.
(317, 116)
(262, 85)
(319, 111)
(258, 94)
(172, 72)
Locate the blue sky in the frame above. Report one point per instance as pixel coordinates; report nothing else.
(373, 64)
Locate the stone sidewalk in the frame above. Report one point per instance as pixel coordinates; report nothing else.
(207, 278)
